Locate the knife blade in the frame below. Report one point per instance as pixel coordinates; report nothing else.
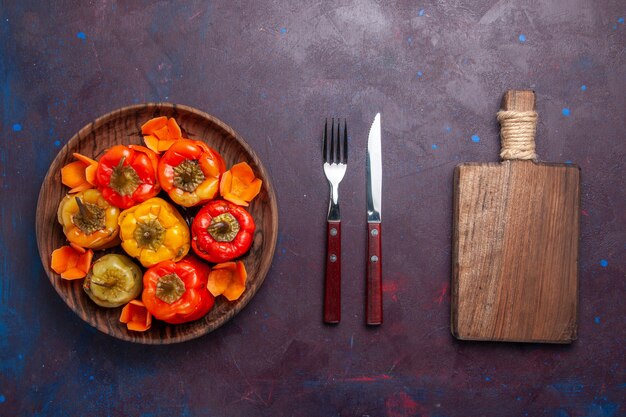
(374, 174)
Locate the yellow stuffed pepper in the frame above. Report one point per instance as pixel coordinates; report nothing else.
(88, 220)
(154, 231)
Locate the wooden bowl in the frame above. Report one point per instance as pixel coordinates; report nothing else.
(123, 126)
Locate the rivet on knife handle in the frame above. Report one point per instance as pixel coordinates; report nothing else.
(374, 306)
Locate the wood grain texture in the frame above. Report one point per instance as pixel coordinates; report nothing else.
(123, 127)
(374, 290)
(520, 100)
(515, 248)
(332, 280)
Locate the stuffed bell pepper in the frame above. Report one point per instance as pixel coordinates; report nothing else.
(154, 231)
(113, 281)
(190, 172)
(176, 292)
(222, 231)
(127, 175)
(88, 220)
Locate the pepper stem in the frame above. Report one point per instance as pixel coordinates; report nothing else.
(170, 288)
(188, 175)
(102, 284)
(109, 279)
(90, 217)
(218, 228)
(149, 234)
(224, 228)
(81, 208)
(124, 179)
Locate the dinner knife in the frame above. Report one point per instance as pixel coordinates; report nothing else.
(374, 173)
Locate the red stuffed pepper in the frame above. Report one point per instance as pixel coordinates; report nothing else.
(176, 292)
(190, 172)
(127, 175)
(222, 231)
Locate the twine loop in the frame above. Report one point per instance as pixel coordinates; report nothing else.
(517, 134)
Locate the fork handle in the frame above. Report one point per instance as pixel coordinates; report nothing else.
(374, 302)
(332, 282)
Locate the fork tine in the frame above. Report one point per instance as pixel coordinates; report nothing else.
(338, 150)
(331, 159)
(325, 142)
(345, 142)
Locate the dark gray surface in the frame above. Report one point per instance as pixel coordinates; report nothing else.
(274, 71)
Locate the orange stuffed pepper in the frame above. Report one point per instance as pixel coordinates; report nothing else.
(190, 172)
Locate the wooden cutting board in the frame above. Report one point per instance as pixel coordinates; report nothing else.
(515, 246)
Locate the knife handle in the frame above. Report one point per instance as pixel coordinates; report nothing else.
(374, 304)
(332, 282)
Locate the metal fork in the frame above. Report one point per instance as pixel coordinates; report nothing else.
(335, 157)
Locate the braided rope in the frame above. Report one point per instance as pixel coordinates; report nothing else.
(517, 134)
